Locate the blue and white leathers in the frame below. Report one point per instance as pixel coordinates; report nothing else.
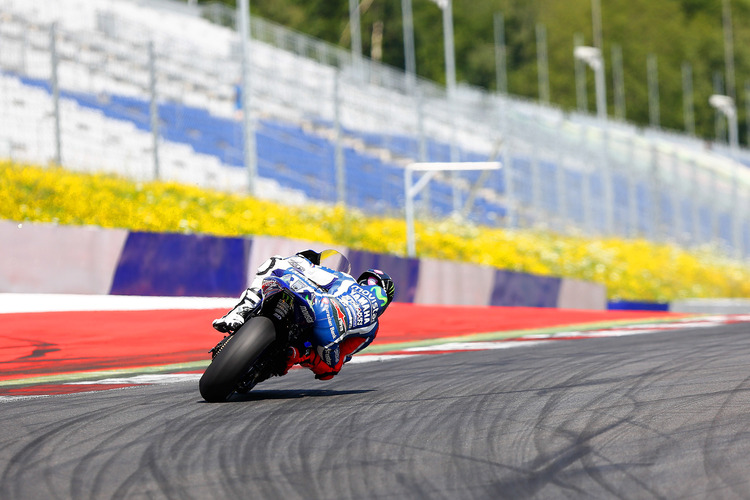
(342, 309)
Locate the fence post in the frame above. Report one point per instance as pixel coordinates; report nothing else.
(715, 213)
(587, 186)
(510, 209)
(695, 203)
(251, 160)
(632, 190)
(677, 223)
(562, 206)
(656, 215)
(608, 194)
(339, 158)
(154, 107)
(537, 210)
(54, 62)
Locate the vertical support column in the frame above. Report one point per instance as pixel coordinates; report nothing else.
(511, 212)
(501, 59)
(695, 203)
(537, 210)
(618, 76)
(251, 159)
(422, 153)
(409, 212)
(542, 63)
(656, 215)
(632, 190)
(582, 100)
(678, 227)
(410, 59)
(714, 205)
(339, 159)
(688, 109)
(54, 63)
(562, 202)
(608, 194)
(586, 188)
(154, 107)
(653, 91)
(356, 36)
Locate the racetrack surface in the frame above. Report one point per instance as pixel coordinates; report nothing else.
(662, 415)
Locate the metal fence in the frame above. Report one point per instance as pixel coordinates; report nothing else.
(134, 95)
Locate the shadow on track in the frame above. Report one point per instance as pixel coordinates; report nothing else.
(289, 394)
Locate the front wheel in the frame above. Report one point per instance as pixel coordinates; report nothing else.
(235, 357)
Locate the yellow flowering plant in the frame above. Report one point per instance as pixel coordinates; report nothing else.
(630, 269)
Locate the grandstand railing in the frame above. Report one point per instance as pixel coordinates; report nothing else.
(174, 110)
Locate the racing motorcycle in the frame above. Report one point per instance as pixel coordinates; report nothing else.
(259, 349)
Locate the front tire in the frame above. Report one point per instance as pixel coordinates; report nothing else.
(235, 357)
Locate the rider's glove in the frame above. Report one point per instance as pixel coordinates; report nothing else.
(234, 319)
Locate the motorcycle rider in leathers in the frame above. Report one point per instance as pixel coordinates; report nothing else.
(346, 310)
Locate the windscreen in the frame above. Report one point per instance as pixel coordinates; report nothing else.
(333, 259)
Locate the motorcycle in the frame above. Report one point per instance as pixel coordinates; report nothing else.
(259, 349)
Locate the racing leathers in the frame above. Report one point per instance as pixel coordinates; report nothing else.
(345, 313)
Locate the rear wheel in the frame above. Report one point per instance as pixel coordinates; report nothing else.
(235, 357)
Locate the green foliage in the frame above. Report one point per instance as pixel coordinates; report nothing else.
(677, 31)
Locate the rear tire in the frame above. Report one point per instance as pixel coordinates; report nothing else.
(235, 357)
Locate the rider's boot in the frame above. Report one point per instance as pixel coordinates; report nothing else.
(234, 319)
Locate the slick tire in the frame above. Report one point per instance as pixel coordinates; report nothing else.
(235, 357)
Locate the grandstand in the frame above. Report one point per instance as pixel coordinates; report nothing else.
(108, 71)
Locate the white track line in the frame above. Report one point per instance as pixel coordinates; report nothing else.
(40, 302)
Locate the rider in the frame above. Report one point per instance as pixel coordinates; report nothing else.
(346, 311)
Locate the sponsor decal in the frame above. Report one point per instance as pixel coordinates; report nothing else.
(282, 307)
(296, 264)
(364, 304)
(340, 317)
(380, 294)
(306, 314)
(270, 286)
(329, 356)
(296, 284)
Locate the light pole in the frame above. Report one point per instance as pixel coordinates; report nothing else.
(450, 54)
(450, 82)
(250, 154)
(501, 71)
(356, 35)
(725, 105)
(409, 51)
(593, 58)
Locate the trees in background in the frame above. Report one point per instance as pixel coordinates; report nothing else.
(675, 31)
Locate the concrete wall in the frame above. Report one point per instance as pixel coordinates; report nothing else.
(40, 258)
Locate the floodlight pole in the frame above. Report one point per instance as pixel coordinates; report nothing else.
(592, 56)
(726, 106)
(409, 54)
(248, 127)
(411, 189)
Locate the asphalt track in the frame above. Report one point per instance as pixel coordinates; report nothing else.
(662, 415)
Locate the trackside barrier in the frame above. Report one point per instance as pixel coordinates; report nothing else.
(625, 305)
(712, 306)
(44, 258)
(39, 258)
